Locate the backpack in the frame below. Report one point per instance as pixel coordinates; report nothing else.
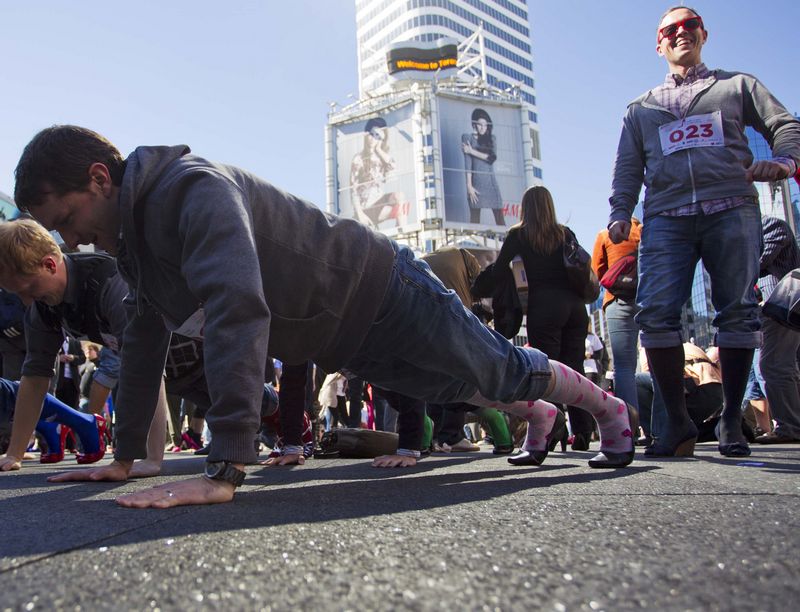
(622, 278)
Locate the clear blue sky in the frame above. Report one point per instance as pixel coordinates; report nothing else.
(249, 82)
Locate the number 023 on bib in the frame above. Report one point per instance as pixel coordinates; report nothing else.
(692, 132)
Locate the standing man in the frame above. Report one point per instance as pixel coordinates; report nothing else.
(68, 377)
(685, 141)
(778, 357)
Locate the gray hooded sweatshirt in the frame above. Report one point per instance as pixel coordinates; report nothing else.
(255, 271)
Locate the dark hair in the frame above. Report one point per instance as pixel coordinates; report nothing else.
(538, 221)
(375, 122)
(484, 140)
(479, 113)
(675, 8)
(58, 159)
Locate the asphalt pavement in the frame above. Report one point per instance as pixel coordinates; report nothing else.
(458, 532)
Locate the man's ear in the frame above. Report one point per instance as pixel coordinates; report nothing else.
(100, 176)
(50, 264)
(658, 49)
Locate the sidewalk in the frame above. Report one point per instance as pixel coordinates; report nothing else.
(458, 532)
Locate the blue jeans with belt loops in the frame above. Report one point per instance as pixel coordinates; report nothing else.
(729, 243)
(426, 344)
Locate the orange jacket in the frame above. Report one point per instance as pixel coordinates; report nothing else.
(606, 253)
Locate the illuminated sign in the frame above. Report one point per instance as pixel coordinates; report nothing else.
(441, 54)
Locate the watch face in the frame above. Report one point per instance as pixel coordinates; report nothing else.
(213, 469)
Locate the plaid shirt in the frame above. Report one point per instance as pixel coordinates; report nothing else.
(676, 94)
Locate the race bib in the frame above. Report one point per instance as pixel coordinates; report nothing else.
(193, 326)
(692, 132)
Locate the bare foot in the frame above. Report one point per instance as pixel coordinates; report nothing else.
(195, 491)
(10, 463)
(293, 459)
(394, 461)
(115, 471)
(145, 468)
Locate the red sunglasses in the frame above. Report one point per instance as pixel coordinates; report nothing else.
(690, 24)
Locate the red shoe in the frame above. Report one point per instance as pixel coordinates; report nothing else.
(102, 434)
(191, 442)
(56, 456)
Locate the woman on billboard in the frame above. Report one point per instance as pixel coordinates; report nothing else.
(479, 156)
(368, 173)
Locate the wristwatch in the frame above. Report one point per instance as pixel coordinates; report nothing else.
(223, 470)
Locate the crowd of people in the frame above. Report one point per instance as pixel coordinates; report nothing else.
(206, 273)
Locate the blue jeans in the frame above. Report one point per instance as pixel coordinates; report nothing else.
(729, 243)
(426, 344)
(107, 372)
(624, 333)
(755, 382)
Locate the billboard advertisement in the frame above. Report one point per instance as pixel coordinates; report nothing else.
(482, 162)
(375, 171)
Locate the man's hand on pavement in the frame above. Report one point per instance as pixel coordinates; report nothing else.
(115, 471)
(289, 459)
(394, 461)
(195, 491)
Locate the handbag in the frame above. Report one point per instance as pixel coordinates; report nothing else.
(577, 263)
(358, 443)
(783, 304)
(622, 278)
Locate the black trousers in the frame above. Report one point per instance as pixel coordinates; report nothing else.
(557, 326)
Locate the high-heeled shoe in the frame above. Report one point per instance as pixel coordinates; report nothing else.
(609, 459)
(56, 455)
(740, 448)
(537, 457)
(102, 437)
(580, 441)
(683, 448)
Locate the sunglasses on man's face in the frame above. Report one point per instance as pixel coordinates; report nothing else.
(689, 24)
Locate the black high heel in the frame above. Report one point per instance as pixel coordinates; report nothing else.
(683, 448)
(608, 459)
(732, 449)
(537, 457)
(580, 441)
(564, 435)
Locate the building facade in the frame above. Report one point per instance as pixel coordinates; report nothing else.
(7, 209)
(505, 48)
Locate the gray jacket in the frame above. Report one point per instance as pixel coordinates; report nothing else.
(272, 273)
(703, 173)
